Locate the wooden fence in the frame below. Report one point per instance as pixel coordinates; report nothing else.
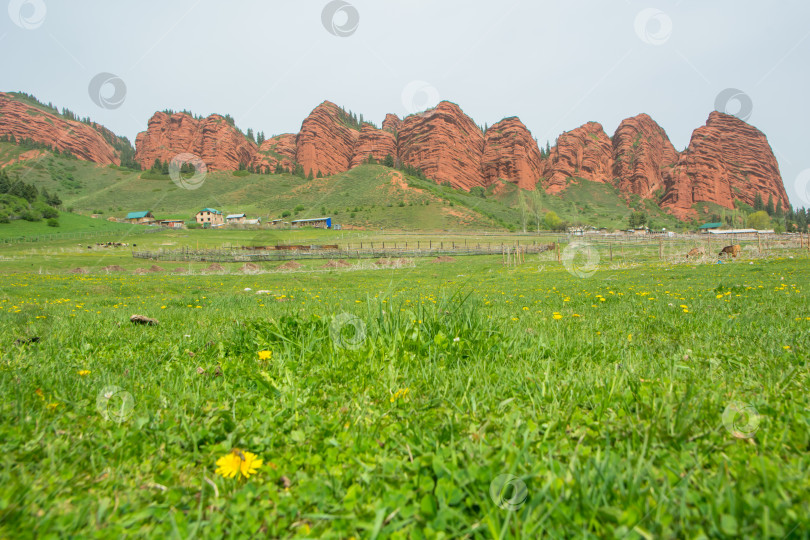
(232, 255)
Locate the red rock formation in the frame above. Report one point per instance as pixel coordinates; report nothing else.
(275, 150)
(391, 123)
(727, 159)
(374, 142)
(326, 142)
(511, 153)
(643, 157)
(220, 145)
(585, 152)
(25, 121)
(445, 143)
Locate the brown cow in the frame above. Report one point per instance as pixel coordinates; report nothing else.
(695, 252)
(731, 250)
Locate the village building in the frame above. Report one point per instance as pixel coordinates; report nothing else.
(209, 217)
(236, 219)
(708, 227)
(317, 223)
(173, 223)
(144, 217)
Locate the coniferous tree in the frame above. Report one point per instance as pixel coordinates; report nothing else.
(769, 208)
(758, 204)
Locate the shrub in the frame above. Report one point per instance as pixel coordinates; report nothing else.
(286, 213)
(30, 215)
(53, 222)
(4, 218)
(49, 212)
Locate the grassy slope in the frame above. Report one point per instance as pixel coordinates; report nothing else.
(368, 191)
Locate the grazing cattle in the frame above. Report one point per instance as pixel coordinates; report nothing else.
(696, 252)
(731, 250)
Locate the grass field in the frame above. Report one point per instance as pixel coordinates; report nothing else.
(648, 400)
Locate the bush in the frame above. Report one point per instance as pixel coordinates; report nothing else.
(241, 173)
(401, 204)
(53, 222)
(49, 212)
(285, 213)
(30, 215)
(299, 208)
(4, 218)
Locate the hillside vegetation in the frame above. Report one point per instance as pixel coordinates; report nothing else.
(369, 196)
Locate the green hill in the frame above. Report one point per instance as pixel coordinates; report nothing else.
(369, 196)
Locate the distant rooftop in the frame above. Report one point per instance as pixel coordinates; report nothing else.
(138, 215)
(711, 226)
(211, 210)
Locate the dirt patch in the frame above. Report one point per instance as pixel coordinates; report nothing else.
(114, 268)
(78, 271)
(340, 263)
(250, 267)
(443, 259)
(393, 263)
(291, 265)
(180, 270)
(156, 268)
(140, 271)
(214, 268)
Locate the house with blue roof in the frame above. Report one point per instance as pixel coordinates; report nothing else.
(141, 217)
(210, 217)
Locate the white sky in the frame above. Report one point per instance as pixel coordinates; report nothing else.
(556, 64)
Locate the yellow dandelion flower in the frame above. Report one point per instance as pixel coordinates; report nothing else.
(265, 355)
(786, 347)
(557, 316)
(84, 372)
(238, 462)
(52, 406)
(629, 337)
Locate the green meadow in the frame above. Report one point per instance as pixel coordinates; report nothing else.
(627, 398)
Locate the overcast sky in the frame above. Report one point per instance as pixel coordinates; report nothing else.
(555, 64)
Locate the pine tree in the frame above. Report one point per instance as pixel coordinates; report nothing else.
(310, 176)
(758, 204)
(250, 135)
(320, 175)
(260, 138)
(769, 208)
(388, 161)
